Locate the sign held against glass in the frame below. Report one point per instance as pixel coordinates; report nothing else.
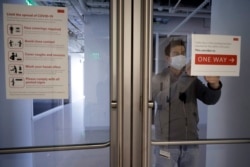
(215, 55)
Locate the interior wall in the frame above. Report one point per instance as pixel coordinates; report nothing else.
(230, 117)
(76, 77)
(77, 94)
(96, 72)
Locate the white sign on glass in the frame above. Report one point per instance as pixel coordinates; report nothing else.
(36, 51)
(215, 55)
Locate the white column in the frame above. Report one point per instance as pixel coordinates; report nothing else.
(230, 117)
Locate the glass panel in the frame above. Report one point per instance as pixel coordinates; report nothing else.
(79, 158)
(41, 106)
(84, 117)
(224, 117)
(212, 155)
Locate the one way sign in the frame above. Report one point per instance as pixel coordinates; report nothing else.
(216, 59)
(217, 55)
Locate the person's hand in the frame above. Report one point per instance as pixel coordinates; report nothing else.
(213, 81)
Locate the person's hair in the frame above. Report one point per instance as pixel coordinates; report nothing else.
(173, 43)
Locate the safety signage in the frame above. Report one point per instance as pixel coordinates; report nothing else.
(217, 55)
(36, 52)
(215, 59)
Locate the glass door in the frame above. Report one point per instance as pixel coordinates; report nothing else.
(95, 124)
(109, 119)
(75, 131)
(213, 140)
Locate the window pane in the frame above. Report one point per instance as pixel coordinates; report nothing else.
(74, 158)
(83, 117)
(213, 155)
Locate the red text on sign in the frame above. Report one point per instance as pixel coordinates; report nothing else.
(215, 59)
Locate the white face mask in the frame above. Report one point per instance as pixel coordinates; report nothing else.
(178, 62)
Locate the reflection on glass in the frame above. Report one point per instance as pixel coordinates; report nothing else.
(217, 155)
(41, 106)
(175, 94)
(76, 158)
(97, 79)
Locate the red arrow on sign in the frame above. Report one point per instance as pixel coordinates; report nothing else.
(215, 59)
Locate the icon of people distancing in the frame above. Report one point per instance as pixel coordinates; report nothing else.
(15, 43)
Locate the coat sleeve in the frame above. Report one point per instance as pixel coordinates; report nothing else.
(207, 94)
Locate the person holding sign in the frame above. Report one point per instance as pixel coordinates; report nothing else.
(175, 94)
